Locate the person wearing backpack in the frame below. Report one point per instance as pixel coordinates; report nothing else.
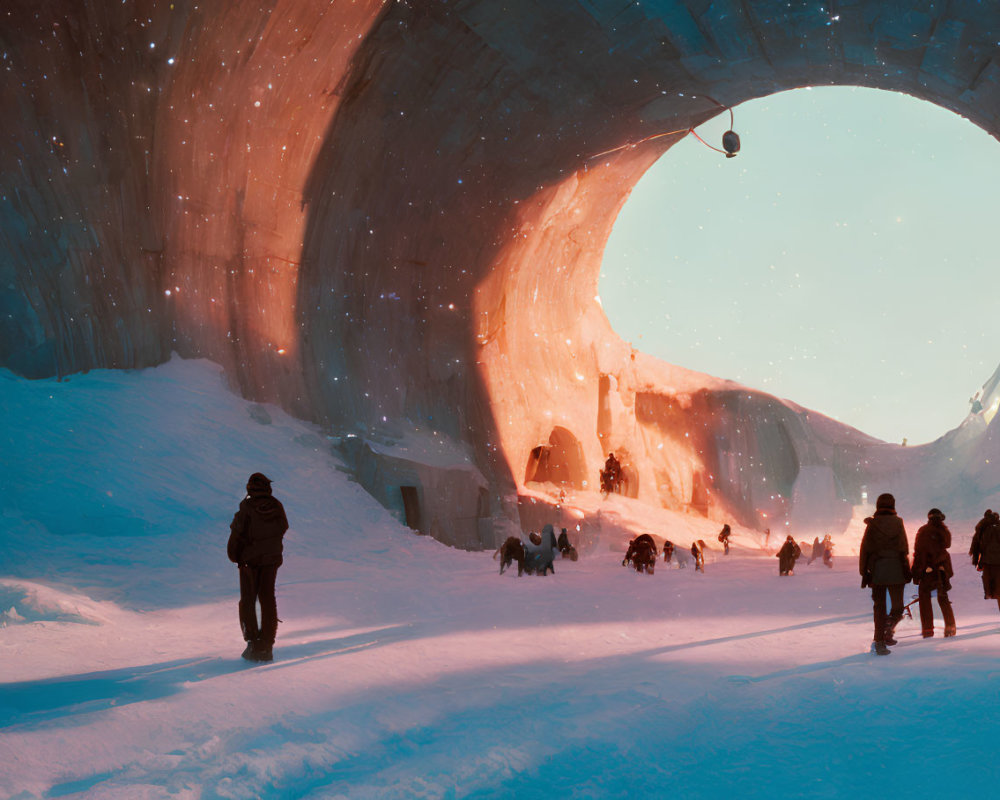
(986, 554)
(932, 572)
(255, 545)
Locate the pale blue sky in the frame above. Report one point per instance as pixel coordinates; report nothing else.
(844, 259)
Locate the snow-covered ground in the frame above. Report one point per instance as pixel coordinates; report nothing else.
(404, 668)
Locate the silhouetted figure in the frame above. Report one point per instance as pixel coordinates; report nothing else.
(539, 551)
(884, 567)
(698, 551)
(788, 555)
(932, 572)
(724, 535)
(565, 548)
(828, 551)
(255, 544)
(767, 538)
(977, 536)
(985, 552)
(611, 475)
(668, 551)
(641, 553)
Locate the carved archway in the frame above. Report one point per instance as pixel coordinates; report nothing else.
(407, 231)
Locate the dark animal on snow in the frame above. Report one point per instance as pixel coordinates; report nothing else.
(641, 553)
(668, 550)
(511, 550)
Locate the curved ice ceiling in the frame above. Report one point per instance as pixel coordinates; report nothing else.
(386, 217)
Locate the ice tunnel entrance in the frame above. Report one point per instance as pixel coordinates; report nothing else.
(849, 238)
(560, 461)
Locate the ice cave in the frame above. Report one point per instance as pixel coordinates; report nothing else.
(388, 218)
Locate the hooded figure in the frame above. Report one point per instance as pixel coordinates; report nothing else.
(985, 552)
(255, 545)
(788, 555)
(884, 567)
(538, 557)
(932, 571)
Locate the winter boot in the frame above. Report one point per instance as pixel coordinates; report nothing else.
(250, 654)
(890, 629)
(879, 649)
(263, 651)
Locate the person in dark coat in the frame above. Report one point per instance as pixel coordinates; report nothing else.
(787, 556)
(977, 537)
(985, 553)
(884, 566)
(668, 551)
(698, 551)
(724, 535)
(255, 545)
(641, 553)
(612, 474)
(932, 572)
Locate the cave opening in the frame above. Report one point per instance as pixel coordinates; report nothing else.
(840, 261)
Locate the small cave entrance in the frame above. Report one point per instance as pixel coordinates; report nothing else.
(411, 507)
(560, 461)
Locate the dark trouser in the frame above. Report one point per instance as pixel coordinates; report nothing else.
(257, 583)
(882, 620)
(927, 610)
(991, 577)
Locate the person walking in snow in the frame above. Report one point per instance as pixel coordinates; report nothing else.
(787, 556)
(255, 545)
(828, 551)
(932, 572)
(986, 554)
(698, 551)
(724, 535)
(977, 537)
(884, 566)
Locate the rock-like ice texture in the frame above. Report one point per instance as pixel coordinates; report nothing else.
(383, 215)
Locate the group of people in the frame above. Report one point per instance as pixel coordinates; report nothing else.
(791, 551)
(885, 568)
(259, 525)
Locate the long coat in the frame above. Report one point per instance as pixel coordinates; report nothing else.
(931, 561)
(787, 555)
(257, 530)
(884, 550)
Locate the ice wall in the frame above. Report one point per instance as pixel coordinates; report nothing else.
(390, 217)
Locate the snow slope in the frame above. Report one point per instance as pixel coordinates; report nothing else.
(404, 668)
